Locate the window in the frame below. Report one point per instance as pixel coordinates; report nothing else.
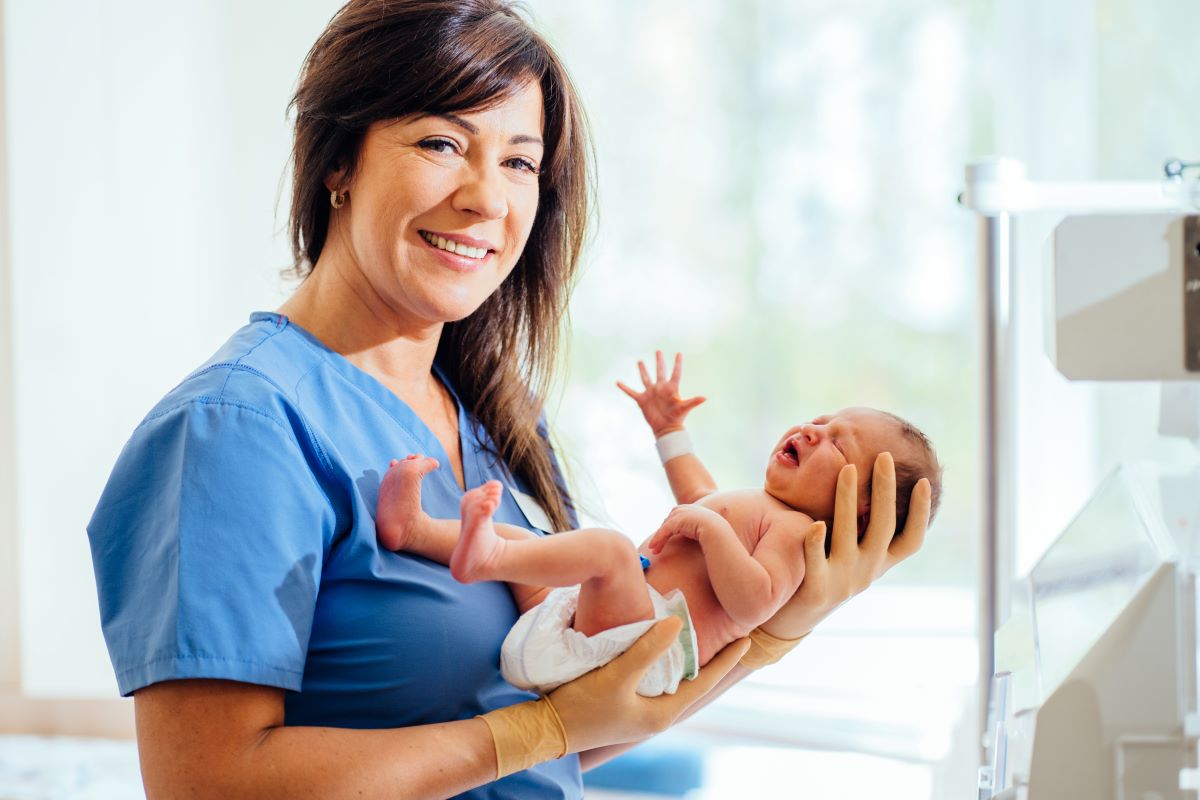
(777, 185)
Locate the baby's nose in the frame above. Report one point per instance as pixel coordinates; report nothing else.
(811, 433)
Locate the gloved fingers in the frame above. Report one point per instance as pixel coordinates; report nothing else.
(816, 590)
(603, 707)
(642, 654)
(815, 566)
(845, 515)
(912, 537)
(882, 526)
(710, 675)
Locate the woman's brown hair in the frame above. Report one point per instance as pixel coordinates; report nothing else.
(384, 59)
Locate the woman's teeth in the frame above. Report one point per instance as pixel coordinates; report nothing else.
(454, 247)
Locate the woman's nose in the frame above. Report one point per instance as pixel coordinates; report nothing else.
(482, 193)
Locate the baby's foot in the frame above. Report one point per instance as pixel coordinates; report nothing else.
(478, 544)
(398, 517)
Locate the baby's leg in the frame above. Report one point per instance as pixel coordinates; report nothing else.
(613, 589)
(401, 524)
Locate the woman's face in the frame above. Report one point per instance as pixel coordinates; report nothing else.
(440, 207)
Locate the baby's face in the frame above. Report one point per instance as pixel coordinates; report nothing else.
(803, 469)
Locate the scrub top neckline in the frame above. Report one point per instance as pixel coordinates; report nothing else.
(395, 406)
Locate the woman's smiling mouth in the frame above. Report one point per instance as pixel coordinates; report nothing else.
(474, 250)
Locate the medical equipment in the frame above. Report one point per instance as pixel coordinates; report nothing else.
(1094, 655)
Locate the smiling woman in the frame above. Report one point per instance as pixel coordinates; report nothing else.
(245, 601)
(434, 217)
(439, 204)
(437, 127)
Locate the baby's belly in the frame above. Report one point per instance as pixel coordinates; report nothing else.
(681, 566)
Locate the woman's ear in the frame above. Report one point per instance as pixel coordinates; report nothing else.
(335, 180)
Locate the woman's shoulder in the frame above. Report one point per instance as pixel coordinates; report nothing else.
(257, 370)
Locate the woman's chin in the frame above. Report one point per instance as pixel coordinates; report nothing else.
(453, 311)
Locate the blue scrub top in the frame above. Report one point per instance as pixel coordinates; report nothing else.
(235, 539)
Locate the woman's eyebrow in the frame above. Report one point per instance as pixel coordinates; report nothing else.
(454, 119)
(523, 138)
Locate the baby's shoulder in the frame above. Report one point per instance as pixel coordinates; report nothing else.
(781, 515)
(733, 502)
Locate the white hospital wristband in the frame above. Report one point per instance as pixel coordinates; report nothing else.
(673, 445)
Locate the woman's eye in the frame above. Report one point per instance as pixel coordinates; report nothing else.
(525, 165)
(438, 145)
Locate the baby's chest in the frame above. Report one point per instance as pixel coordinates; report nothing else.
(743, 514)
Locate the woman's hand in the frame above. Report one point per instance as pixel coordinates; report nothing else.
(604, 708)
(660, 403)
(852, 565)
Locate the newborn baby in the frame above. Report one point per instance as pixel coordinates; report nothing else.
(724, 562)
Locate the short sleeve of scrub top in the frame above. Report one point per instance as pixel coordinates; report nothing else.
(235, 539)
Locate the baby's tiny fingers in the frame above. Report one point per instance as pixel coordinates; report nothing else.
(677, 371)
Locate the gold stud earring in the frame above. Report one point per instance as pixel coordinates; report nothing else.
(337, 199)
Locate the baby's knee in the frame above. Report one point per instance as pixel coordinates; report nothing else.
(613, 547)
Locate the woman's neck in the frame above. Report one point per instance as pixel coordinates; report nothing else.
(353, 320)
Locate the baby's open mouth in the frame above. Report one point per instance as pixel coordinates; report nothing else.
(789, 454)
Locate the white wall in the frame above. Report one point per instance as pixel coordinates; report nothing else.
(146, 145)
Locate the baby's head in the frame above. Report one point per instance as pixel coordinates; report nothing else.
(804, 466)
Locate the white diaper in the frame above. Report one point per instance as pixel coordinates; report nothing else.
(543, 651)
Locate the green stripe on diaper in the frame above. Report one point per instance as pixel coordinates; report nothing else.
(687, 637)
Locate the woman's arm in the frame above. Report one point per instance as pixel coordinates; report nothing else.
(828, 582)
(219, 739)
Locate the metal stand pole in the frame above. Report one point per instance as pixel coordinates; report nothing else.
(995, 245)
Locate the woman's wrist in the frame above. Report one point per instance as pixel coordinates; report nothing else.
(526, 734)
(766, 649)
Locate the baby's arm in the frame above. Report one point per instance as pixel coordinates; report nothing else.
(665, 412)
(750, 587)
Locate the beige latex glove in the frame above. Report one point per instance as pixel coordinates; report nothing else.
(603, 706)
(766, 649)
(852, 565)
(525, 734)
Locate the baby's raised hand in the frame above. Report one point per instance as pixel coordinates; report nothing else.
(686, 521)
(660, 403)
